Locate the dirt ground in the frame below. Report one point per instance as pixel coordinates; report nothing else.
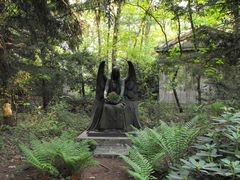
(12, 166)
(107, 169)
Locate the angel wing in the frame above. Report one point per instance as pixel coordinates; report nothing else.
(101, 81)
(131, 83)
(99, 98)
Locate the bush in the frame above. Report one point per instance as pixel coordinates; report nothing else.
(217, 152)
(159, 148)
(152, 112)
(57, 120)
(60, 157)
(1, 143)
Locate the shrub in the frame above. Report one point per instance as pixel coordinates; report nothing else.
(217, 152)
(1, 142)
(52, 123)
(159, 148)
(60, 157)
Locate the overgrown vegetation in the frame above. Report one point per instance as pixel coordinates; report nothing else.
(217, 152)
(61, 157)
(159, 148)
(187, 59)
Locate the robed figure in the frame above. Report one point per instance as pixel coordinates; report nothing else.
(115, 106)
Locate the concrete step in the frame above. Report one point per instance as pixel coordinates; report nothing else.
(110, 151)
(108, 146)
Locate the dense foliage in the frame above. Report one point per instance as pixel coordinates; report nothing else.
(159, 148)
(217, 152)
(60, 157)
(187, 58)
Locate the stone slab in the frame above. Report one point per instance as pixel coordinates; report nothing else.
(110, 151)
(110, 133)
(108, 146)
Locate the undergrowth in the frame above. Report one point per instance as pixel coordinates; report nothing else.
(217, 152)
(159, 148)
(60, 157)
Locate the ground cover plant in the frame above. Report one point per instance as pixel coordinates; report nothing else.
(217, 151)
(61, 157)
(155, 150)
(170, 152)
(186, 54)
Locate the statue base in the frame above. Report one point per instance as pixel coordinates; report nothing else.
(106, 133)
(110, 143)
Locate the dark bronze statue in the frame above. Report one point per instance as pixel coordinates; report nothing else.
(115, 106)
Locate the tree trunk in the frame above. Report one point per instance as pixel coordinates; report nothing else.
(161, 92)
(83, 88)
(199, 98)
(192, 25)
(139, 30)
(176, 72)
(45, 96)
(235, 11)
(175, 92)
(82, 83)
(199, 89)
(98, 20)
(115, 31)
(45, 93)
(108, 37)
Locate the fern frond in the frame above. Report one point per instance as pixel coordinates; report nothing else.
(141, 167)
(58, 154)
(36, 161)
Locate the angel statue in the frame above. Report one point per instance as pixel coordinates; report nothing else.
(115, 106)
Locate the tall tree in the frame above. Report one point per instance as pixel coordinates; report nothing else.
(116, 30)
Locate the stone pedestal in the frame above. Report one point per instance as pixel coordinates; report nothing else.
(109, 144)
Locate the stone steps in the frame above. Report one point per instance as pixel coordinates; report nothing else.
(110, 151)
(108, 146)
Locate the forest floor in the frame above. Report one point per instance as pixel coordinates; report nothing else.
(108, 169)
(12, 166)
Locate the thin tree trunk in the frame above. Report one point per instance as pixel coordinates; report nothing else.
(235, 11)
(147, 31)
(199, 89)
(108, 37)
(176, 72)
(175, 92)
(142, 37)
(45, 92)
(156, 20)
(192, 25)
(199, 98)
(82, 83)
(45, 96)
(139, 31)
(98, 21)
(179, 35)
(115, 31)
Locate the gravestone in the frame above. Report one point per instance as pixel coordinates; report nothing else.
(114, 112)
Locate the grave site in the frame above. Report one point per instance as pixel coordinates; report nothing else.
(119, 89)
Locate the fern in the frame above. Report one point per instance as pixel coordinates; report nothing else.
(145, 143)
(75, 155)
(38, 161)
(174, 140)
(141, 167)
(158, 148)
(60, 156)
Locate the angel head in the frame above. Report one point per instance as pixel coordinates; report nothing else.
(115, 73)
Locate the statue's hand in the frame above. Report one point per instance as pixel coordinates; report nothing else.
(113, 101)
(113, 98)
(122, 104)
(106, 100)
